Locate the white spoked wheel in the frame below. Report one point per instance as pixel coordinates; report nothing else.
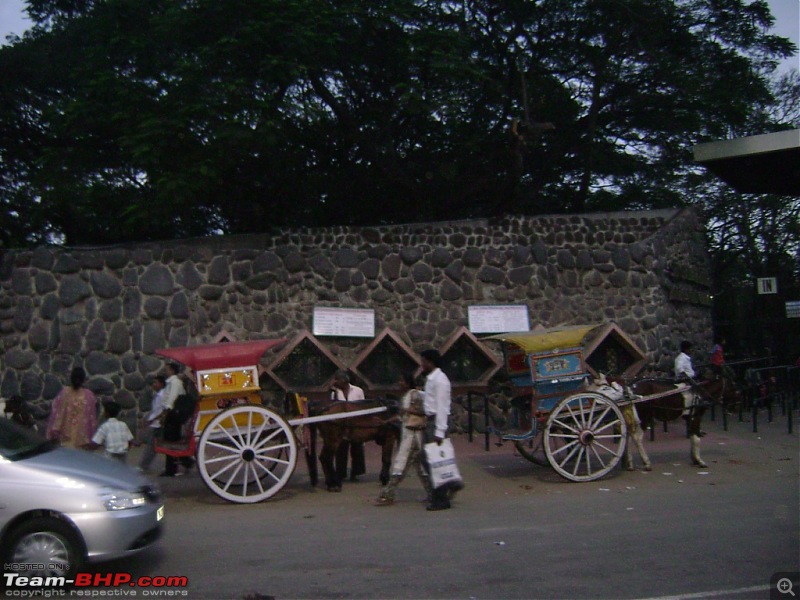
(585, 437)
(246, 454)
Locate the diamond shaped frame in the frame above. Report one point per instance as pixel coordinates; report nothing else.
(612, 332)
(494, 362)
(384, 337)
(287, 351)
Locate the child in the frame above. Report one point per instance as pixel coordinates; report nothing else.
(113, 434)
(153, 419)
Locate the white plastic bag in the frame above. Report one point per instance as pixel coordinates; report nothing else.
(442, 462)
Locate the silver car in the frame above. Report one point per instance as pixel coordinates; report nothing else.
(60, 508)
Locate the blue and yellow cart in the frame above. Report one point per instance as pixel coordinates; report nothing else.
(580, 432)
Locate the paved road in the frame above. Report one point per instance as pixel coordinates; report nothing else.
(517, 531)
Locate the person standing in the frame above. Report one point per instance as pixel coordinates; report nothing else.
(684, 372)
(437, 410)
(717, 356)
(113, 434)
(173, 420)
(73, 418)
(344, 391)
(153, 422)
(412, 411)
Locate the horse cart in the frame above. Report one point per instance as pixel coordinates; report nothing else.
(560, 419)
(245, 452)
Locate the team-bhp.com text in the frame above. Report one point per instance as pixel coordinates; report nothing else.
(94, 584)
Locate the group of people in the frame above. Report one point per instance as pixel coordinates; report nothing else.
(424, 410)
(73, 420)
(425, 421)
(165, 419)
(683, 368)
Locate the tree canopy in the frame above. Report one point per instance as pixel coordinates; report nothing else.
(125, 120)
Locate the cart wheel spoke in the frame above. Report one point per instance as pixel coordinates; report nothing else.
(572, 452)
(268, 439)
(562, 424)
(217, 459)
(606, 426)
(574, 418)
(606, 448)
(249, 428)
(595, 424)
(232, 462)
(267, 471)
(230, 449)
(597, 454)
(233, 440)
(232, 477)
(256, 479)
(581, 450)
(590, 419)
(562, 448)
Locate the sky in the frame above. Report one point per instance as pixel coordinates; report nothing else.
(787, 22)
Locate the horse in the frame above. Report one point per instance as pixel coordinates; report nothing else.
(670, 407)
(383, 428)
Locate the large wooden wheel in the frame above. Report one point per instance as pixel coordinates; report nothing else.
(585, 435)
(246, 454)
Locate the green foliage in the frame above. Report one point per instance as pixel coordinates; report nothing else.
(130, 120)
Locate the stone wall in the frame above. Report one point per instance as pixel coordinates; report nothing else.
(107, 309)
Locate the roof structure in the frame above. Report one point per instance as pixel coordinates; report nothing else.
(546, 339)
(758, 164)
(220, 356)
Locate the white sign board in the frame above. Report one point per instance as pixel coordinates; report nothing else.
(344, 322)
(767, 285)
(498, 318)
(793, 310)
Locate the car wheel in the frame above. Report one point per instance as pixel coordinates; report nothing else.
(48, 547)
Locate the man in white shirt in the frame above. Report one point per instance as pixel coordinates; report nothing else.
(174, 386)
(437, 410)
(344, 391)
(684, 372)
(683, 362)
(172, 420)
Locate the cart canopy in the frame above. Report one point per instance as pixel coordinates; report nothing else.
(221, 355)
(543, 340)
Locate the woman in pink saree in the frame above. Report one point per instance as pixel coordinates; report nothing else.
(73, 418)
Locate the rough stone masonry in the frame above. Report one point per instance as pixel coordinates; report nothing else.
(107, 309)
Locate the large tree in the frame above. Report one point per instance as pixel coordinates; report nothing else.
(129, 120)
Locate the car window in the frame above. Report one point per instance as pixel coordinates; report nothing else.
(17, 442)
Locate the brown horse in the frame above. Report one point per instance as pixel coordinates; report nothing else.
(671, 407)
(381, 428)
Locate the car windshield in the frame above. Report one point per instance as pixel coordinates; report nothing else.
(17, 443)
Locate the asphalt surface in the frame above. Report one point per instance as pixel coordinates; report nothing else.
(516, 531)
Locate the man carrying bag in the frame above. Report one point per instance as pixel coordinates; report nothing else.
(438, 456)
